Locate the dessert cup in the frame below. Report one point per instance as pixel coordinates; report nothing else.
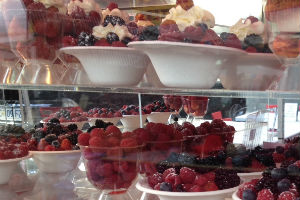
(250, 176)
(195, 107)
(112, 169)
(159, 117)
(131, 122)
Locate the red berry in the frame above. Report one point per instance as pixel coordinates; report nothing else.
(253, 19)
(83, 139)
(97, 132)
(94, 18)
(168, 171)
(200, 180)
(251, 49)
(196, 188)
(246, 186)
(97, 142)
(104, 170)
(102, 42)
(118, 44)
(66, 144)
(187, 175)
(113, 131)
(113, 141)
(265, 194)
(42, 144)
(49, 148)
(112, 5)
(173, 179)
(210, 176)
(297, 163)
(210, 186)
(287, 195)
(157, 186)
(155, 179)
(187, 187)
(278, 158)
(128, 142)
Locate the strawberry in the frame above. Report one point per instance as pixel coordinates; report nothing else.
(97, 142)
(66, 144)
(83, 139)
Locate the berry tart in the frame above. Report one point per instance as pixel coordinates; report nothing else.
(105, 114)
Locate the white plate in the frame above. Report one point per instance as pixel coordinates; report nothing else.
(159, 117)
(113, 120)
(254, 71)
(56, 161)
(143, 186)
(7, 167)
(186, 65)
(111, 66)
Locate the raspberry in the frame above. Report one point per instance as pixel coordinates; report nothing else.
(102, 42)
(193, 33)
(168, 26)
(252, 19)
(200, 180)
(185, 4)
(98, 132)
(118, 44)
(210, 176)
(83, 139)
(66, 144)
(173, 179)
(128, 142)
(265, 194)
(187, 175)
(69, 41)
(231, 40)
(167, 172)
(97, 142)
(210, 186)
(78, 13)
(251, 49)
(187, 187)
(105, 170)
(196, 188)
(121, 167)
(211, 38)
(113, 141)
(42, 144)
(246, 186)
(142, 135)
(287, 196)
(155, 179)
(49, 148)
(112, 5)
(157, 186)
(113, 131)
(94, 18)
(278, 158)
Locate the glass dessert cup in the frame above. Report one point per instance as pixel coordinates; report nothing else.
(195, 107)
(112, 169)
(160, 117)
(175, 103)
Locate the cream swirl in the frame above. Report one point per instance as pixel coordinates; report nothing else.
(101, 32)
(116, 12)
(242, 29)
(190, 17)
(56, 3)
(86, 5)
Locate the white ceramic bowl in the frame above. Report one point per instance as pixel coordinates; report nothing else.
(159, 117)
(111, 66)
(131, 122)
(79, 124)
(254, 71)
(235, 197)
(113, 120)
(143, 186)
(7, 167)
(56, 161)
(249, 176)
(185, 65)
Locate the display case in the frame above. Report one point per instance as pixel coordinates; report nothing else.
(146, 100)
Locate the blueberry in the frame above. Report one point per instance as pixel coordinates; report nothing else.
(284, 185)
(293, 170)
(112, 37)
(173, 157)
(279, 149)
(164, 186)
(55, 143)
(278, 173)
(186, 159)
(126, 40)
(249, 195)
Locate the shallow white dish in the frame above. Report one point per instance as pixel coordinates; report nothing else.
(131, 122)
(113, 120)
(7, 167)
(254, 71)
(143, 186)
(186, 65)
(56, 161)
(159, 117)
(111, 66)
(249, 176)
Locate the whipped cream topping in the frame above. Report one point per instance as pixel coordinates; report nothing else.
(86, 5)
(101, 32)
(56, 3)
(242, 29)
(116, 12)
(190, 17)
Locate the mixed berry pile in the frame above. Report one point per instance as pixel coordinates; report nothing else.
(131, 110)
(103, 113)
(52, 136)
(11, 149)
(278, 183)
(67, 116)
(157, 106)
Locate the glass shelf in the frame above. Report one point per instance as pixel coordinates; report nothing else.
(270, 94)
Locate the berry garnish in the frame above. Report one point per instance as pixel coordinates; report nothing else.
(112, 37)
(85, 39)
(112, 5)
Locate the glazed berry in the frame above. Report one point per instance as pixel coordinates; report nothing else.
(114, 20)
(56, 144)
(249, 195)
(51, 137)
(149, 33)
(85, 39)
(278, 173)
(164, 186)
(284, 185)
(112, 37)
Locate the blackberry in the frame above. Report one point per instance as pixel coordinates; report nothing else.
(101, 124)
(126, 40)
(54, 121)
(267, 183)
(267, 172)
(185, 159)
(267, 49)
(149, 33)
(55, 143)
(72, 127)
(163, 165)
(56, 129)
(254, 41)
(86, 126)
(73, 138)
(164, 186)
(50, 138)
(85, 39)
(208, 164)
(91, 128)
(112, 37)
(279, 149)
(39, 134)
(286, 163)
(39, 125)
(266, 159)
(114, 20)
(226, 178)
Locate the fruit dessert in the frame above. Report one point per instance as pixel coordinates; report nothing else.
(14, 134)
(11, 150)
(277, 183)
(195, 106)
(174, 102)
(103, 113)
(52, 136)
(110, 157)
(132, 110)
(67, 116)
(179, 173)
(252, 33)
(157, 106)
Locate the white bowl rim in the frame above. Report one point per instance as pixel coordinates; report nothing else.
(89, 118)
(16, 159)
(99, 48)
(250, 174)
(135, 115)
(185, 194)
(264, 56)
(162, 112)
(43, 122)
(54, 152)
(234, 195)
(183, 44)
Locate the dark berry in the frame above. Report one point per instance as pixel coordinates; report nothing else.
(225, 178)
(54, 121)
(279, 149)
(86, 126)
(162, 166)
(283, 185)
(150, 33)
(278, 173)
(173, 157)
(73, 138)
(50, 138)
(126, 40)
(85, 39)
(39, 134)
(254, 41)
(187, 40)
(114, 20)
(293, 170)
(112, 37)
(75, 147)
(72, 127)
(249, 195)
(179, 188)
(55, 143)
(186, 159)
(164, 186)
